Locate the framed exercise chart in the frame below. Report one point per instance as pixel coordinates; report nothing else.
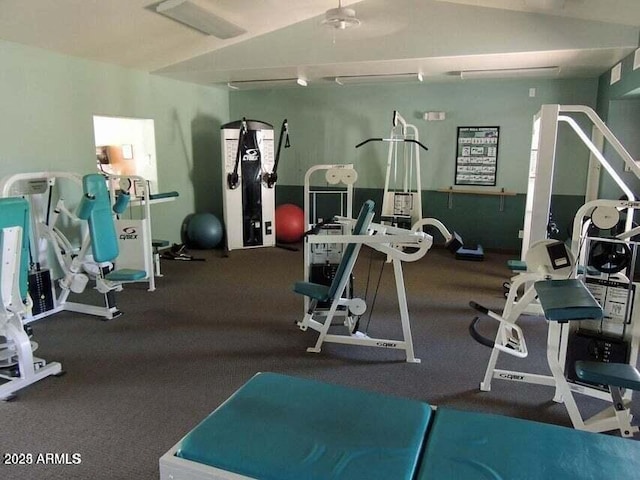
(477, 156)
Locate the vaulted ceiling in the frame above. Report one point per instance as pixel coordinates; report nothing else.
(286, 39)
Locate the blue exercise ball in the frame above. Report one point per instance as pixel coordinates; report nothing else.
(204, 230)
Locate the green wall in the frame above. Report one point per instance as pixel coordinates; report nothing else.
(50, 99)
(327, 122)
(48, 103)
(619, 107)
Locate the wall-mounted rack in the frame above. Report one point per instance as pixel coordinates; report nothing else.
(502, 193)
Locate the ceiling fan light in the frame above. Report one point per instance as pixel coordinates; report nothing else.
(341, 18)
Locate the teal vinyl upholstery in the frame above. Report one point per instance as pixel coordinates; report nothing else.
(14, 212)
(479, 446)
(277, 427)
(566, 300)
(96, 209)
(521, 266)
(286, 428)
(621, 375)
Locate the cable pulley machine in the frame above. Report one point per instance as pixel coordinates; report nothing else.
(249, 178)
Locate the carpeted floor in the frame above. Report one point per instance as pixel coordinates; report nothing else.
(136, 384)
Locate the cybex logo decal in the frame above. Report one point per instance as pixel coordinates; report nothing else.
(129, 233)
(386, 344)
(511, 376)
(251, 155)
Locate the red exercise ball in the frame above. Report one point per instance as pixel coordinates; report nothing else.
(289, 223)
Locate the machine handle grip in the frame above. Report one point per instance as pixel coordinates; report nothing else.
(370, 140)
(477, 336)
(86, 206)
(478, 307)
(122, 202)
(409, 140)
(272, 178)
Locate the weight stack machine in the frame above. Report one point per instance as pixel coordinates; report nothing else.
(321, 204)
(611, 265)
(248, 201)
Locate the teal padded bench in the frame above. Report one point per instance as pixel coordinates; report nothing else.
(282, 427)
(617, 376)
(566, 300)
(521, 266)
(620, 375)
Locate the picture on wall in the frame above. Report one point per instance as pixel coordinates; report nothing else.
(477, 156)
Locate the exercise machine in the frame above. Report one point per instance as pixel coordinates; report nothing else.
(249, 176)
(395, 244)
(73, 240)
(287, 428)
(543, 157)
(19, 368)
(131, 200)
(402, 195)
(322, 204)
(592, 340)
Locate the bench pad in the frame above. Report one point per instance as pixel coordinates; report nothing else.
(285, 428)
(480, 446)
(617, 374)
(126, 275)
(565, 300)
(521, 266)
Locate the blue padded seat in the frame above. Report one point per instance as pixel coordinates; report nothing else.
(126, 275)
(517, 265)
(620, 375)
(566, 300)
(313, 290)
(479, 446)
(277, 427)
(521, 266)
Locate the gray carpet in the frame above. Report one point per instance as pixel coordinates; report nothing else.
(136, 384)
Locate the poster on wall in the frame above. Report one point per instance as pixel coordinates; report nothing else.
(477, 156)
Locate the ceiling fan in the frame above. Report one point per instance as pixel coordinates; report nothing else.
(341, 18)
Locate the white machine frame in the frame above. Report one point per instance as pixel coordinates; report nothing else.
(73, 280)
(407, 181)
(390, 241)
(543, 155)
(341, 177)
(134, 234)
(12, 310)
(557, 345)
(393, 241)
(409, 167)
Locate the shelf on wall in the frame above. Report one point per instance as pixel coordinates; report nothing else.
(502, 193)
